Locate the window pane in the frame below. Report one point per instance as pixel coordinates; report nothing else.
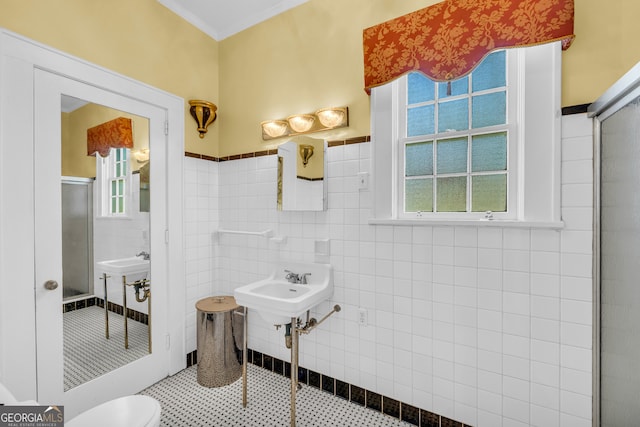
(489, 152)
(120, 204)
(419, 159)
(420, 121)
(120, 187)
(418, 195)
(453, 115)
(118, 154)
(452, 194)
(458, 87)
(489, 110)
(114, 205)
(419, 88)
(452, 155)
(489, 193)
(490, 73)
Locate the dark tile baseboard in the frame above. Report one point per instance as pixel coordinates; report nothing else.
(115, 308)
(346, 391)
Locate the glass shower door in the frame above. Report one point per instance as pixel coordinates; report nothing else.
(620, 267)
(77, 237)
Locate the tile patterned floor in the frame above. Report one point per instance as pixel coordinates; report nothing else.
(185, 403)
(88, 354)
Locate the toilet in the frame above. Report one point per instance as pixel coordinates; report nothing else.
(127, 411)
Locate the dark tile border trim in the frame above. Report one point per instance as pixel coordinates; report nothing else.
(356, 140)
(575, 109)
(115, 308)
(352, 393)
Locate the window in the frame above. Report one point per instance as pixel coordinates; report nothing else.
(454, 141)
(485, 146)
(114, 178)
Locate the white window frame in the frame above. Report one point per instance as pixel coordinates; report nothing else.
(104, 175)
(511, 115)
(534, 157)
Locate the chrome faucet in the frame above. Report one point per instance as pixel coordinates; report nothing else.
(292, 277)
(145, 255)
(296, 278)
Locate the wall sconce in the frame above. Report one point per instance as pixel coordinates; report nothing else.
(306, 152)
(204, 113)
(298, 124)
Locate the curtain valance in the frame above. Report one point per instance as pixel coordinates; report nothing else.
(116, 133)
(447, 40)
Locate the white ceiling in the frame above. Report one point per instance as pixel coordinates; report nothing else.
(223, 18)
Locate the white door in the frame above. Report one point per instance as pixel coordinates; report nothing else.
(130, 378)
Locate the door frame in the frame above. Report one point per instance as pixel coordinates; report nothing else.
(19, 58)
(625, 90)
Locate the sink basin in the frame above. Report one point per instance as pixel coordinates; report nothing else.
(277, 300)
(134, 268)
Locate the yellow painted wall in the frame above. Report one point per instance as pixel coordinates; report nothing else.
(306, 58)
(311, 57)
(605, 48)
(75, 161)
(141, 39)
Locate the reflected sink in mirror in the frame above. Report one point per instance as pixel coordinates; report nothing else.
(277, 299)
(134, 268)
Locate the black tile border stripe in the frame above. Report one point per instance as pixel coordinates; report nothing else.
(352, 393)
(355, 140)
(575, 109)
(115, 308)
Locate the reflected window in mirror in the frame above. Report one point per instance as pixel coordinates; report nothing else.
(114, 178)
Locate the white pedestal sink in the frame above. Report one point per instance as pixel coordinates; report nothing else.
(134, 268)
(277, 300)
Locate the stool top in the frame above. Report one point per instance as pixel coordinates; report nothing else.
(217, 304)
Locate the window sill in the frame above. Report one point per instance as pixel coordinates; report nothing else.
(551, 225)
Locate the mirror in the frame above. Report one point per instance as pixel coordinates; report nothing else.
(105, 215)
(302, 183)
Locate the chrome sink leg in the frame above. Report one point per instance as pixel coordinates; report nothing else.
(106, 307)
(126, 310)
(294, 368)
(244, 359)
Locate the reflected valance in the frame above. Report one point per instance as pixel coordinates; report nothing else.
(116, 133)
(447, 40)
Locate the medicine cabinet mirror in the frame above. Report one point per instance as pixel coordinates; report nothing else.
(302, 175)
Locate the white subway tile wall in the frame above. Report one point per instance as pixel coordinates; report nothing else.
(485, 325)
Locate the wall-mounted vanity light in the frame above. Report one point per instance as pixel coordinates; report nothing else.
(298, 124)
(306, 151)
(301, 123)
(141, 155)
(274, 128)
(204, 113)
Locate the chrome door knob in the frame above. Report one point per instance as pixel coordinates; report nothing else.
(50, 285)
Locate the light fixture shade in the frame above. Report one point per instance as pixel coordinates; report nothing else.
(332, 117)
(301, 122)
(274, 128)
(142, 155)
(204, 113)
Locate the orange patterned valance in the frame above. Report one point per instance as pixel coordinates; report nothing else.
(447, 40)
(116, 133)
